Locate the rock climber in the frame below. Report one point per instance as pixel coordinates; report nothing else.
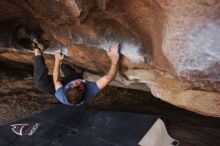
(72, 90)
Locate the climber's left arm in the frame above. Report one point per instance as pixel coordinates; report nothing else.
(110, 76)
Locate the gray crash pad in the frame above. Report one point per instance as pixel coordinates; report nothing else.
(68, 126)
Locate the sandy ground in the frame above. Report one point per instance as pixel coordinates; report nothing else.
(19, 99)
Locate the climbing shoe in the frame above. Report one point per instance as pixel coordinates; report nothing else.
(28, 40)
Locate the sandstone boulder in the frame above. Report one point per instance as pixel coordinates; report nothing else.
(170, 48)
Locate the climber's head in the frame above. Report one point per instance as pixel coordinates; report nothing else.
(75, 92)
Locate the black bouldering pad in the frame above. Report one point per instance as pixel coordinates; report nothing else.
(68, 126)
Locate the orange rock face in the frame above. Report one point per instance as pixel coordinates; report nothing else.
(172, 47)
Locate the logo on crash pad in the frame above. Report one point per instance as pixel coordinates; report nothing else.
(25, 129)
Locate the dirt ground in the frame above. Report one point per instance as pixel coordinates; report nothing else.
(19, 99)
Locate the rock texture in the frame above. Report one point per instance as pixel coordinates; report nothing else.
(172, 47)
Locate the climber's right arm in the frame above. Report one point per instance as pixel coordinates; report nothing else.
(56, 71)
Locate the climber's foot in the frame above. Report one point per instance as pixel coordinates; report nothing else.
(28, 40)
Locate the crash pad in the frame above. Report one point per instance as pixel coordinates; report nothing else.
(83, 126)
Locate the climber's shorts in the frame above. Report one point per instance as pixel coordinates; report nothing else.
(44, 81)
